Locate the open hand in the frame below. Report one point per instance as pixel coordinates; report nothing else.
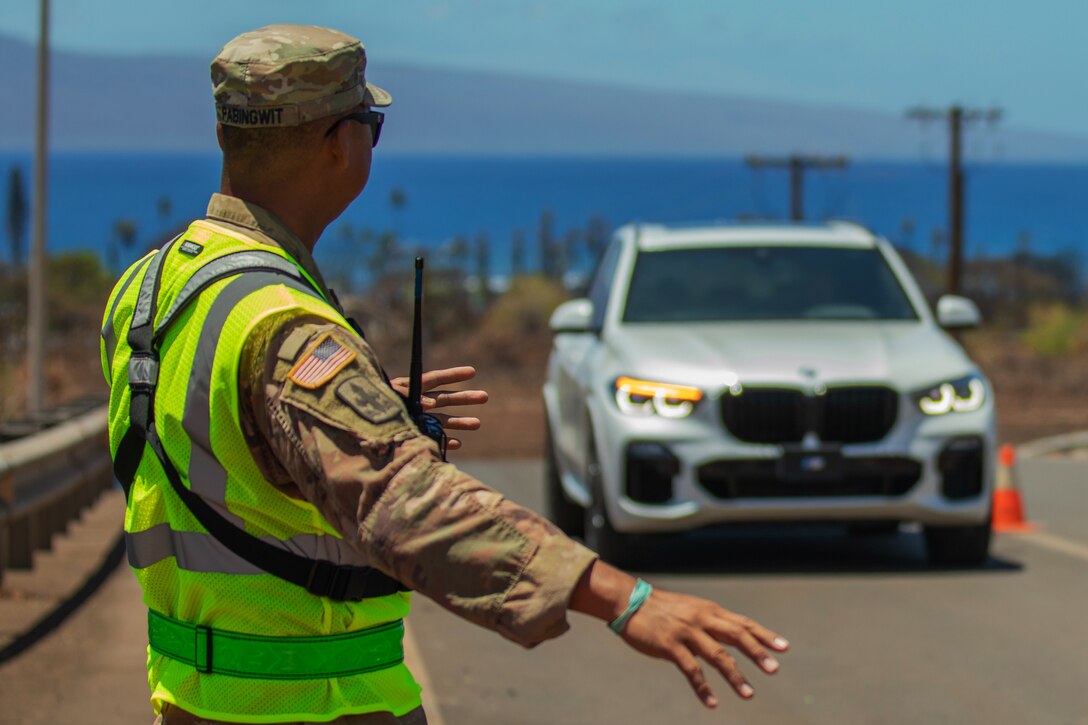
(684, 629)
(681, 629)
(432, 398)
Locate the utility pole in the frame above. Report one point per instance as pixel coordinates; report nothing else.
(36, 314)
(797, 165)
(956, 116)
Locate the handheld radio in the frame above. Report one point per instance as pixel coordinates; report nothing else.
(427, 423)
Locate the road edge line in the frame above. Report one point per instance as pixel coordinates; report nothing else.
(1056, 543)
(414, 661)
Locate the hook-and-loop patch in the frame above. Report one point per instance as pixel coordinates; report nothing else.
(321, 363)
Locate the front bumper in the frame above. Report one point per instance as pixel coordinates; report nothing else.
(675, 475)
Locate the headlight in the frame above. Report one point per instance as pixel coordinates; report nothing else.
(645, 397)
(957, 396)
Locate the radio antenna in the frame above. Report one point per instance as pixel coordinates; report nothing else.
(415, 371)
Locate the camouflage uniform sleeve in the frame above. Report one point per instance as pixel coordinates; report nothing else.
(344, 438)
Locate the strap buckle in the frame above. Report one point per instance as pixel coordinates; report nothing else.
(202, 654)
(143, 370)
(333, 581)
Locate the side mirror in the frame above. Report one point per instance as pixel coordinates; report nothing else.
(572, 316)
(957, 313)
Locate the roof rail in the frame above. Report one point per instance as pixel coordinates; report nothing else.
(850, 224)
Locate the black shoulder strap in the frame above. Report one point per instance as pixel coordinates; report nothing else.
(317, 576)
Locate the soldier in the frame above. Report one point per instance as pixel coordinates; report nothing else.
(281, 501)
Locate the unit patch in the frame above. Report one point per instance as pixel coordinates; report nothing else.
(190, 248)
(369, 399)
(321, 362)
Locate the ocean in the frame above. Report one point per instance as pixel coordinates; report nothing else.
(443, 197)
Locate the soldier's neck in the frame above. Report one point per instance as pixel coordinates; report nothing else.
(288, 202)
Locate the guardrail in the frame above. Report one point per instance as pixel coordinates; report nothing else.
(1064, 443)
(46, 481)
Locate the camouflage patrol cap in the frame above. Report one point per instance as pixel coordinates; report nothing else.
(284, 75)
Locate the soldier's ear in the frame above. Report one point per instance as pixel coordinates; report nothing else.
(338, 146)
(219, 134)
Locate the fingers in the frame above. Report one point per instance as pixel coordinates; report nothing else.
(444, 398)
(740, 632)
(448, 376)
(764, 635)
(457, 422)
(433, 378)
(716, 655)
(687, 663)
(449, 398)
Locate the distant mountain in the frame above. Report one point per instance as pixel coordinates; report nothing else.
(164, 103)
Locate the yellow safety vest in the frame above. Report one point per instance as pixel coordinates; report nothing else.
(230, 641)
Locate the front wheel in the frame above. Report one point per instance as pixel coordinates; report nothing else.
(612, 546)
(958, 546)
(563, 512)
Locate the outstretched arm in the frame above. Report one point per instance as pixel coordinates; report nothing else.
(349, 447)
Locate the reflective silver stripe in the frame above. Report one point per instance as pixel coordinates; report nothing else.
(223, 267)
(192, 550)
(206, 474)
(109, 335)
(142, 314)
(200, 552)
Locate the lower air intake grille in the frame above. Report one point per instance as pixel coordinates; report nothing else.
(737, 479)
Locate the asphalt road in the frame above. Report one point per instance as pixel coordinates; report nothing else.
(877, 637)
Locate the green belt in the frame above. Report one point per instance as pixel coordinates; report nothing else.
(276, 658)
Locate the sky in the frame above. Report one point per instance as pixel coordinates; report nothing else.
(1027, 58)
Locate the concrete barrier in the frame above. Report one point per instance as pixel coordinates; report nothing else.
(46, 481)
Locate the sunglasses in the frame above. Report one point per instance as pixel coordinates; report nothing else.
(374, 119)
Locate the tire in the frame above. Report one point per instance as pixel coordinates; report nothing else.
(563, 512)
(958, 546)
(612, 546)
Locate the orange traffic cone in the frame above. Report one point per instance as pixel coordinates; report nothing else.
(1008, 508)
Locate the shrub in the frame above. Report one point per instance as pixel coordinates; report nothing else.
(515, 331)
(1055, 330)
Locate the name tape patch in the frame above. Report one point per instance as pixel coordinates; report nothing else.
(321, 362)
(255, 117)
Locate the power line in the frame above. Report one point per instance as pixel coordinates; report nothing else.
(956, 116)
(797, 165)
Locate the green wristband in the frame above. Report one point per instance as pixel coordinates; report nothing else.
(639, 595)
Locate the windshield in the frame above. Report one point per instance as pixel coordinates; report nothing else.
(764, 283)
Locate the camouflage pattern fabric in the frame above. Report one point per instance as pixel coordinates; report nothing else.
(284, 75)
(349, 447)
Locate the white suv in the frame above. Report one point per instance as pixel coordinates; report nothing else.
(742, 373)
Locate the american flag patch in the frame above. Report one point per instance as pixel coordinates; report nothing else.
(324, 360)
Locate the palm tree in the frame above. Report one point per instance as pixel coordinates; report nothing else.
(18, 214)
(397, 200)
(125, 231)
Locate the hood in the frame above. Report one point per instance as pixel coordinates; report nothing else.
(906, 356)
